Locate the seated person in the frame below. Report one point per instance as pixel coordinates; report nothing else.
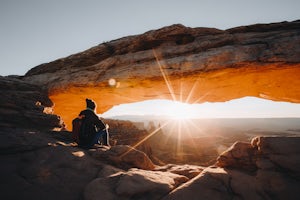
(92, 128)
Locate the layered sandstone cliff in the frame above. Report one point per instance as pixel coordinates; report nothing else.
(179, 63)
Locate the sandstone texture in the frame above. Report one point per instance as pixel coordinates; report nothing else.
(39, 160)
(126, 157)
(134, 184)
(193, 65)
(266, 168)
(47, 165)
(25, 105)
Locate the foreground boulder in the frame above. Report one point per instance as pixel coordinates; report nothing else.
(266, 168)
(239, 155)
(264, 153)
(124, 157)
(38, 165)
(133, 184)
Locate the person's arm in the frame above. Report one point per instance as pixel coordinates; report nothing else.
(99, 123)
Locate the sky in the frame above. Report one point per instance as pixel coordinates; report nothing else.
(33, 32)
(247, 107)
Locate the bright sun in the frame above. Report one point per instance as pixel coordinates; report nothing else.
(180, 111)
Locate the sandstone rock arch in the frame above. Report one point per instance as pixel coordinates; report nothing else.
(186, 64)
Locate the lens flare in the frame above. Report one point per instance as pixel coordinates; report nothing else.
(181, 122)
(112, 82)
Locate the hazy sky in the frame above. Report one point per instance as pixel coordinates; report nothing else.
(33, 32)
(38, 31)
(247, 107)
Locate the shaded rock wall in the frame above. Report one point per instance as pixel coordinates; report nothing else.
(34, 166)
(180, 63)
(26, 105)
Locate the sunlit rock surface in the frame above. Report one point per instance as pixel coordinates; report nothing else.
(264, 153)
(180, 63)
(240, 154)
(126, 157)
(268, 168)
(133, 184)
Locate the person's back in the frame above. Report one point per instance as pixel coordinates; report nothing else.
(92, 128)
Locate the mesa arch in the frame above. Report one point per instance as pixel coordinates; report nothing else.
(192, 65)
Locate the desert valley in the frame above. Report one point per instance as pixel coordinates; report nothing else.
(195, 141)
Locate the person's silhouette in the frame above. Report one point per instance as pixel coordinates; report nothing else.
(93, 130)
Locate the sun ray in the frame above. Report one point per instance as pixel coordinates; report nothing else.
(181, 91)
(191, 123)
(179, 131)
(179, 139)
(184, 129)
(196, 83)
(174, 137)
(167, 81)
(192, 90)
(181, 124)
(171, 91)
(201, 97)
(168, 136)
(144, 139)
(196, 127)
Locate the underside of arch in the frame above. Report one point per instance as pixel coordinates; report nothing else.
(192, 65)
(267, 82)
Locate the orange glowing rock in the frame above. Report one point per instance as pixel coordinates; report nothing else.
(218, 86)
(179, 63)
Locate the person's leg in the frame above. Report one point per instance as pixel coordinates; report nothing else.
(105, 137)
(96, 138)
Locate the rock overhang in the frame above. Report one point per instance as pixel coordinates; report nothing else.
(178, 63)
